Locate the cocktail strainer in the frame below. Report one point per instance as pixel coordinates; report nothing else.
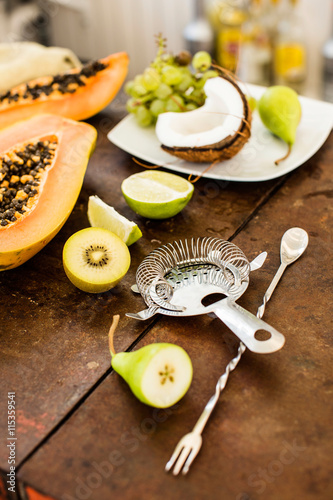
(177, 279)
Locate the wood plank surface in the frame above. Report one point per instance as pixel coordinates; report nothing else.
(270, 435)
(53, 345)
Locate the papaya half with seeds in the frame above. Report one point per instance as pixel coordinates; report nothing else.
(43, 161)
(77, 94)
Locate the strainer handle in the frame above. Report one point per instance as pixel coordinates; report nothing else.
(244, 324)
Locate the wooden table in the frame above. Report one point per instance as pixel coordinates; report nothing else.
(81, 434)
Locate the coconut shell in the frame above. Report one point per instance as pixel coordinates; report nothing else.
(222, 150)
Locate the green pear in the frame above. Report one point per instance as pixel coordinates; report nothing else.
(280, 111)
(159, 375)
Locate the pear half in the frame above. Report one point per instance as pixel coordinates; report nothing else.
(214, 132)
(159, 374)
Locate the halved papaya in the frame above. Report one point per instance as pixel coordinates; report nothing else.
(77, 94)
(42, 165)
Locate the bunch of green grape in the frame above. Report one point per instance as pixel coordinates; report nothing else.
(170, 83)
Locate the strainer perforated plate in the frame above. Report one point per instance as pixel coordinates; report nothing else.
(175, 279)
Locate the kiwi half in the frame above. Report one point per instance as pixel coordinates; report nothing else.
(95, 259)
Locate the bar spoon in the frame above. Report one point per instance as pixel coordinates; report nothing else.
(293, 244)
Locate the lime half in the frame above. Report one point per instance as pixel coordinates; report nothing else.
(100, 214)
(156, 195)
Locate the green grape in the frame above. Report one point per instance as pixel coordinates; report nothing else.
(138, 88)
(185, 71)
(252, 102)
(185, 84)
(129, 87)
(161, 62)
(199, 82)
(169, 84)
(211, 73)
(190, 106)
(171, 75)
(187, 81)
(201, 61)
(167, 58)
(146, 98)
(151, 79)
(143, 116)
(132, 105)
(157, 107)
(175, 103)
(163, 91)
(197, 96)
(202, 79)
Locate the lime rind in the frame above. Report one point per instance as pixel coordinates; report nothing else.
(134, 235)
(100, 214)
(155, 194)
(145, 190)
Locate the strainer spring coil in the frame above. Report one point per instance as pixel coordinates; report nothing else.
(191, 253)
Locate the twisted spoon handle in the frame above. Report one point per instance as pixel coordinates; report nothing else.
(222, 381)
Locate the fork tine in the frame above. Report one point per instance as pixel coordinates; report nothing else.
(175, 454)
(180, 462)
(190, 459)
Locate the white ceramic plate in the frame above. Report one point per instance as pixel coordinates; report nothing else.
(255, 161)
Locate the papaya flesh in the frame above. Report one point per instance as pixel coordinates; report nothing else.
(43, 161)
(77, 94)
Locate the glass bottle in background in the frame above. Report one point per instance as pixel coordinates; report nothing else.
(273, 15)
(290, 48)
(227, 18)
(199, 34)
(271, 23)
(328, 70)
(255, 57)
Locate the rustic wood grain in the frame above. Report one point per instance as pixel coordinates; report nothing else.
(53, 336)
(270, 435)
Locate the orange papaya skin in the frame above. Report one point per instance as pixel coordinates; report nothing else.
(87, 100)
(60, 189)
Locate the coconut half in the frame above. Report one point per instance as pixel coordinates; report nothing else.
(214, 132)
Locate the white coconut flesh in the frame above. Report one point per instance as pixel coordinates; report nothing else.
(167, 377)
(221, 116)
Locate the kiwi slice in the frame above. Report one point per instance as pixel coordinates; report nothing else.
(95, 259)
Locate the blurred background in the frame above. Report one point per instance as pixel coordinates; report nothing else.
(262, 41)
